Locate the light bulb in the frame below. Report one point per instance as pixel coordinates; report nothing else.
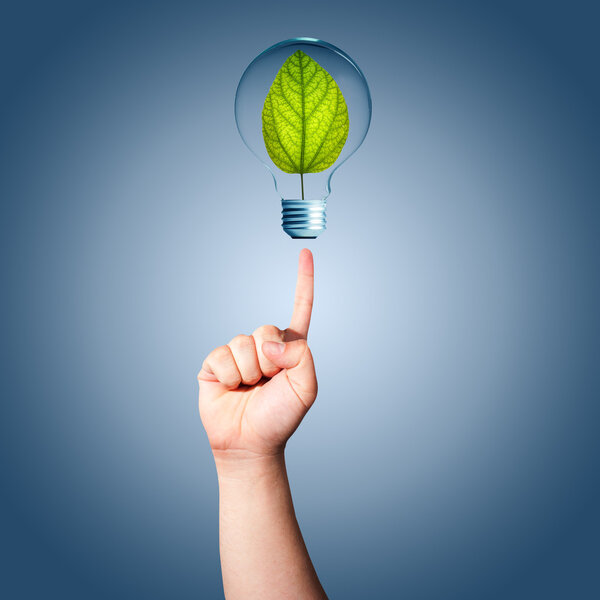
(303, 107)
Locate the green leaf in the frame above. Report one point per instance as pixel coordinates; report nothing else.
(305, 117)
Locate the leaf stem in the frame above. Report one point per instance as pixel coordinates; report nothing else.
(302, 184)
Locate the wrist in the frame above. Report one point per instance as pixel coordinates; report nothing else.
(244, 465)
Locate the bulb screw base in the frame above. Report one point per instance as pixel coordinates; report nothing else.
(303, 219)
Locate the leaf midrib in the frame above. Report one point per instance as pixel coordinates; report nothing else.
(302, 99)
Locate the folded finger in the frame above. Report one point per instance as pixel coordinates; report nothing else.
(244, 353)
(221, 364)
(267, 333)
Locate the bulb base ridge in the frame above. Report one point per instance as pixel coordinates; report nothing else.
(303, 219)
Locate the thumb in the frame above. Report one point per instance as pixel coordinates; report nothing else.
(285, 355)
(297, 359)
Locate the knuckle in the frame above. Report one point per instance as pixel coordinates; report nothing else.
(267, 332)
(219, 354)
(303, 348)
(304, 301)
(241, 341)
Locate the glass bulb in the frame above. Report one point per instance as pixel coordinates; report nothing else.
(303, 196)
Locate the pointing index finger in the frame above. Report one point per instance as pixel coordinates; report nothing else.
(303, 301)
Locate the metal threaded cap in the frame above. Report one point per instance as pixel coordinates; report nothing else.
(303, 218)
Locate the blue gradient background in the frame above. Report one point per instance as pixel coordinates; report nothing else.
(453, 451)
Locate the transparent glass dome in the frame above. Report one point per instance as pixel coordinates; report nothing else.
(250, 98)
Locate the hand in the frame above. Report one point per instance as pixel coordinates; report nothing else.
(255, 390)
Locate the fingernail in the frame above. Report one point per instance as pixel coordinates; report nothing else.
(276, 347)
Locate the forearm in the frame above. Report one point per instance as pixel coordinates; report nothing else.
(263, 554)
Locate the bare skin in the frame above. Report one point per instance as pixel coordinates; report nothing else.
(254, 392)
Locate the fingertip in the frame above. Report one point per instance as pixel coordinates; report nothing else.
(254, 380)
(233, 385)
(205, 375)
(306, 262)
